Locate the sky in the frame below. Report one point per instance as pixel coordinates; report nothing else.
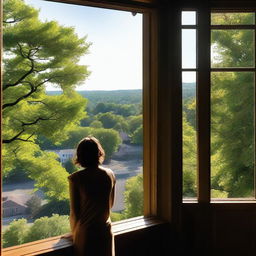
(115, 58)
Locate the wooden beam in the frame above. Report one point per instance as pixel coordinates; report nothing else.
(203, 105)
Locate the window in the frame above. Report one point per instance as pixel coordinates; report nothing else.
(189, 83)
(232, 104)
(229, 135)
(116, 114)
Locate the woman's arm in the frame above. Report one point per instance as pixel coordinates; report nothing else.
(113, 194)
(74, 204)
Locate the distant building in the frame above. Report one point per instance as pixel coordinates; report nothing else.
(65, 154)
(12, 207)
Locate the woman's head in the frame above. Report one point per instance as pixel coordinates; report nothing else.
(89, 152)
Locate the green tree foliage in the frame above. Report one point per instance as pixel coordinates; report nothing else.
(133, 197)
(34, 204)
(110, 120)
(189, 159)
(15, 233)
(124, 110)
(45, 227)
(18, 174)
(48, 173)
(134, 122)
(109, 138)
(19, 231)
(117, 97)
(137, 136)
(96, 124)
(189, 109)
(116, 216)
(232, 109)
(37, 54)
(70, 166)
(60, 207)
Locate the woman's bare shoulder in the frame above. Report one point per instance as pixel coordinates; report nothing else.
(75, 175)
(107, 170)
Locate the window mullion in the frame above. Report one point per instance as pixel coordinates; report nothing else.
(254, 111)
(203, 105)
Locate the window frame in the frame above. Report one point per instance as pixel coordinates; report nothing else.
(195, 70)
(150, 96)
(202, 70)
(240, 69)
(203, 98)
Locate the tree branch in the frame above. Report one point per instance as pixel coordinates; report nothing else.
(14, 137)
(32, 90)
(30, 71)
(36, 121)
(23, 124)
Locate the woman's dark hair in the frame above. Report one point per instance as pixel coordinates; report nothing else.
(89, 152)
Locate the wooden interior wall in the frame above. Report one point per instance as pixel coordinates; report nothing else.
(219, 229)
(206, 228)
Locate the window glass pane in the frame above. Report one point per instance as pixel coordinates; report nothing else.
(232, 18)
(188, 18)
(189, 134)
(188, 48)
(63, 80)
(232, 134)
(232, 48)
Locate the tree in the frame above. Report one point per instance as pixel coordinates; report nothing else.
(45, 227)
(133, 197)
(96, 124)
(109, 138)
(124, 110)
(60, 207)
(189, 159)
(110, 120)
(70, 167)
(34, 204)
(15, 233)
(37, 54)
(137, 136)
(134, 122)
(20, 232)
(100, 108)
(233, 109)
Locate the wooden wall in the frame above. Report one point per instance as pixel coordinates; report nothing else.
(219, 229)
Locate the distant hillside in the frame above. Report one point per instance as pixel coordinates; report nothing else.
(117, 96)
(188, 90)
(124, 96)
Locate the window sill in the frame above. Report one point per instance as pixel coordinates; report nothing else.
(222, 201)
(58, 243)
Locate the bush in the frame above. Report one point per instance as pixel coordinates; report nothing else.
(54, 207)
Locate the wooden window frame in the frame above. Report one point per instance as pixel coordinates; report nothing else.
(195, 69)
(150, 134)
(240, 69)
(202, 70)
(203, 96)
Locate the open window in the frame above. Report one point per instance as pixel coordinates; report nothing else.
(45, 58)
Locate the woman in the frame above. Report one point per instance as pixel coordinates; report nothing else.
(92, 192)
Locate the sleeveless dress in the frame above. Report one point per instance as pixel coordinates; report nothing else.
(92, 193)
